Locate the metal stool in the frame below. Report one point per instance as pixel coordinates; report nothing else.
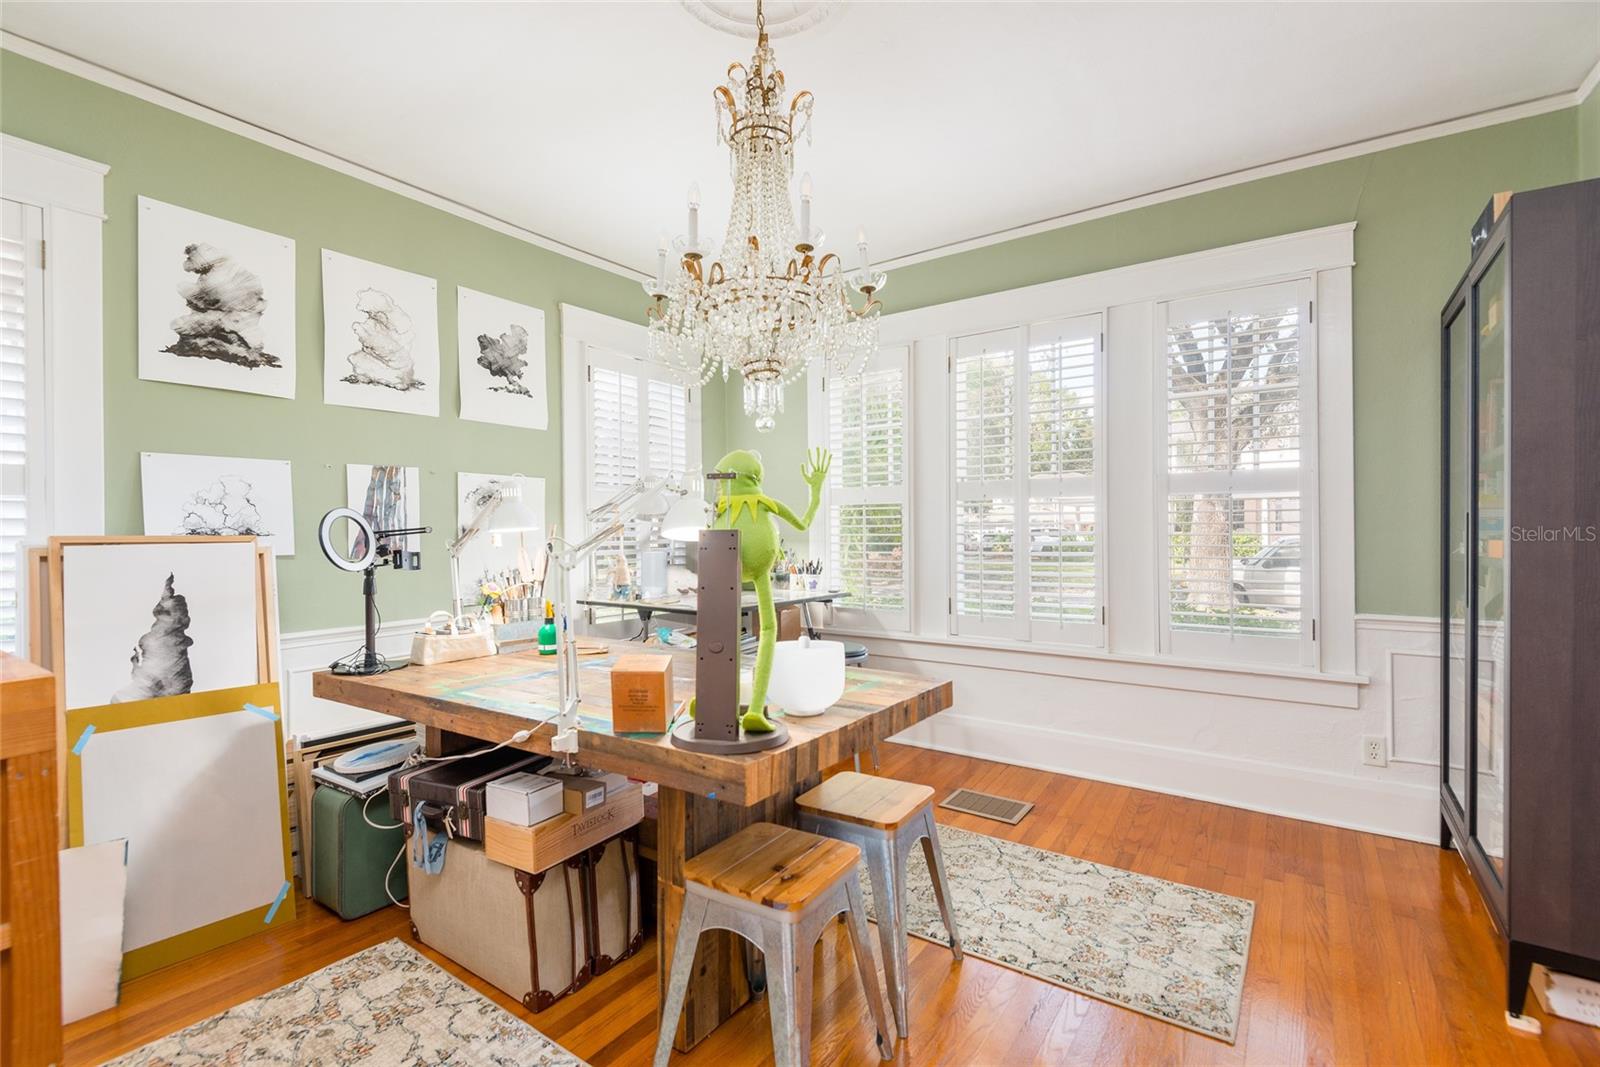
(884, 818)
(776, 887)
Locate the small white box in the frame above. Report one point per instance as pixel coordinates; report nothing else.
(615, 783)
(523, 799)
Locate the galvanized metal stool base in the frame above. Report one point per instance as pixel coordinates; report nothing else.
(786, 939)
(885, 852)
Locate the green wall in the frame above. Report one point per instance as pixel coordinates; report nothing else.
(1589, 137)
(158, 153)
(1413, 207)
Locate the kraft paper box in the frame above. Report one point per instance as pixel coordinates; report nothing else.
(641, 694)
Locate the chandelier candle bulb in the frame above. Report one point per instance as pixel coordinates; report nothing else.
(805, 209)
(694, 215)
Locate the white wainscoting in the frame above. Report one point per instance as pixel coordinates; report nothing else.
(1284, 756)
(307, 651)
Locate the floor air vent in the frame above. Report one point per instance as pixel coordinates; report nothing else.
(987, 805)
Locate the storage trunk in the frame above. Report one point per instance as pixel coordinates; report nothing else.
(525, 933)
(353, 859)
(456, 787)
(611, 877)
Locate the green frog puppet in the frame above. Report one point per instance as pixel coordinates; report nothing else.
(744, 507)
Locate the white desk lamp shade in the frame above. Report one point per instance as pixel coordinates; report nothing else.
(512, 516)
(684, 520)
(807, 676)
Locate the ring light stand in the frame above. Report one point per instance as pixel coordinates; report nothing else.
(377, 553)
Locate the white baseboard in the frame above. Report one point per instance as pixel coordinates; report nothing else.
(1393, 809)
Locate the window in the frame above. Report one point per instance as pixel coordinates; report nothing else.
(1027, 482)
(21, 412)
(1239, 502)
(866, 500)
(639, 423)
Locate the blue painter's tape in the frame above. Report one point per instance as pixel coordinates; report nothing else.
(277, 902)
(265, 713)
(83, 739)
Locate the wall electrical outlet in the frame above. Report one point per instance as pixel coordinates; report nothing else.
(1375, 751)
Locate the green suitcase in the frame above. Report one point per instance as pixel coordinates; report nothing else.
(351, 859)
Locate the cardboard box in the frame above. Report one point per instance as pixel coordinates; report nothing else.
(524, 799)
(580, 795)
(641, 694)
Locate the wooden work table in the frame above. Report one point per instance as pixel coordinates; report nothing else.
(703, 797)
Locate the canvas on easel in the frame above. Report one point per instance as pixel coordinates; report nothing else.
(196, 784)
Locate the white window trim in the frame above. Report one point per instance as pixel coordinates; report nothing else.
(581, 331)
(1129, 296)
(846, 616)
(70, 191)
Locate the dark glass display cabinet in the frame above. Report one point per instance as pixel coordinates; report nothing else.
(1519, 786)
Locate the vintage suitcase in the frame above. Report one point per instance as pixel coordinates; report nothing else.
(353, 859)
(614, 911)
(525, 933)
(455, 788)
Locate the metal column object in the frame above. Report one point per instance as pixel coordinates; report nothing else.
(715, 726)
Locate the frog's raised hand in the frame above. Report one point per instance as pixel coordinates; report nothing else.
(815, 469)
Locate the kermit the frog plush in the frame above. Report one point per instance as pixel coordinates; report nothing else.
(745, 508)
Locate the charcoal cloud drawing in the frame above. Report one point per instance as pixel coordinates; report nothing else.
(161, 657)
(225, 303)
(393, 315)
(503, 357)
(502, 362)
(216, 302)
(218, 496)
(224, 508)
(385, 337)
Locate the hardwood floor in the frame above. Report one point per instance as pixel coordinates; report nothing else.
(1365, 950)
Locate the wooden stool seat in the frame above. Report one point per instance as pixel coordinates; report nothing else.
(777, 867)
(866, 800)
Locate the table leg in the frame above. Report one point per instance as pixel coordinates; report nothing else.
(689, 824)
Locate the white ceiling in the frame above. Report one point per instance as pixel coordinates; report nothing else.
(935, 122)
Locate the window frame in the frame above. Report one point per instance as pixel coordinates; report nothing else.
(1021, 626)
(589, 339)
(1304, 650)
(819, 425)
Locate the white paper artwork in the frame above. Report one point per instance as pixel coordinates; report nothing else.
(380, 336)
(218, 496)
(502, 362)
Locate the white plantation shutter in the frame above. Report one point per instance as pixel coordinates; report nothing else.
(21, 407)
(1240, 382)
(1026, 411)
(866, 492)
(639, 423)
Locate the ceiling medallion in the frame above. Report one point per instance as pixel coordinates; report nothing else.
(772, 303)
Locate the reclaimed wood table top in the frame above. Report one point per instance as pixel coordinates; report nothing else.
(494, 697)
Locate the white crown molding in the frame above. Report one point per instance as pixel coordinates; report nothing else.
(1581, 93)
(184, 106)
(82, 68)
(1494, 117)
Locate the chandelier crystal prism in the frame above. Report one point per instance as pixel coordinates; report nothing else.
(772, 303)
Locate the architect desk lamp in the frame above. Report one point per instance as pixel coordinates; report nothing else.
(647, 499)
(376, 551)
(498, 508)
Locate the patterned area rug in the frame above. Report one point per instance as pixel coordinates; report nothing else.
(1171, 951)
(385, 1005)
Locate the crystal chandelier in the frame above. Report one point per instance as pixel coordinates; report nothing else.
(772, 302)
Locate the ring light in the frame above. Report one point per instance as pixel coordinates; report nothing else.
(338, 558)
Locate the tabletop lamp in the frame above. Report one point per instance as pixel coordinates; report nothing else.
(499, 510)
